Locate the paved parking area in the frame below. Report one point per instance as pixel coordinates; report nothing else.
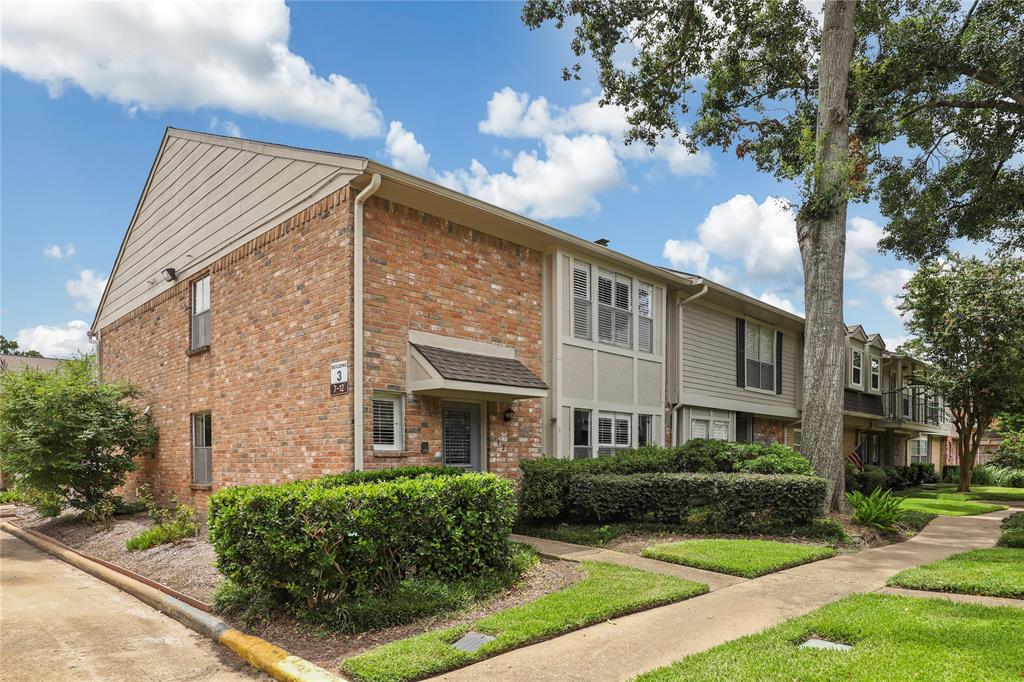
(58, 623)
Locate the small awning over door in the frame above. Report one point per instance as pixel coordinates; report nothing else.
(451, 373)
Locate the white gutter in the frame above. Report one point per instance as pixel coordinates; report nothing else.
(679, 377)
(357, 319)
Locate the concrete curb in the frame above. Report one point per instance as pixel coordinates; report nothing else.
(259, 653)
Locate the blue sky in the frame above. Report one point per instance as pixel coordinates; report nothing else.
(458, 92)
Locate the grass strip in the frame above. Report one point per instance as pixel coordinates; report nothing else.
(893, 638)
(948, 507)
(606, 592)
(997, 572)
(746, 558)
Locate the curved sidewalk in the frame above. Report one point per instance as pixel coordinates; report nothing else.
(628, 646)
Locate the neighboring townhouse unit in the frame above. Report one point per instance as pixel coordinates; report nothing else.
(291, 313)
(736, 366)
(894, 422)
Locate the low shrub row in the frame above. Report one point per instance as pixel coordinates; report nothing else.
(544, 485)
(1013, 531)
(315, 542)
(987, 474)
(715, 501)
(873, 478)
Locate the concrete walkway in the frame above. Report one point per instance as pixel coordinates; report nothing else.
(628, 646)
(58, 623)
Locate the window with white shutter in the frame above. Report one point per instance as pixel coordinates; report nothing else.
(581, 304)
(720, 429)
(645, 313)
(613, 432)
(699, 428)
(387, 422)
(760, 356)
(614, 309)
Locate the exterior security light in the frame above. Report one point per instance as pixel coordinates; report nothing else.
(170, 275)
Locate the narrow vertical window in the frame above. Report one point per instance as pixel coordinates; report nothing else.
(581, 305)
(876, 374)
(202, 448)
(857, 365)
(645, 429)
(645, 311)
(201, 313)
(387, 422)
(760, 356)
(796, 439)
(581, 445)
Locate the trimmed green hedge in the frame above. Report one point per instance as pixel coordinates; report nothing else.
(544, 485)
(888, 477)
(316, 541)
(716, 501)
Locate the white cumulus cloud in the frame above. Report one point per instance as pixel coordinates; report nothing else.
(563, 182)
(778, 301)
(862, 237)
(189, 55)
(56, 341)
(405, 152)
(515, 114)
(58, 252)
(225, 127)
(761, 235)
(86, 290)
(890, 283)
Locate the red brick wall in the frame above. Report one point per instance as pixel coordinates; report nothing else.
(766, 430)
(426, 274)
(280, 313)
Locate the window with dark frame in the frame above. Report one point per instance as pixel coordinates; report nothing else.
(200, 313)
(876, 373)
(645, 429)
(202, 448)
(581, 443)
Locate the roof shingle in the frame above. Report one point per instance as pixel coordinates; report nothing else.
(483, 369)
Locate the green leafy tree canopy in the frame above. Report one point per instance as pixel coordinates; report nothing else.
(967, 319)
(10, 347)
(67, 437)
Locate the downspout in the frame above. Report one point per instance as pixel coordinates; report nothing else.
(679, 374)
(357, 319)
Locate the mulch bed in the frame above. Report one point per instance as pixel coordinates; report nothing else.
(190, 567)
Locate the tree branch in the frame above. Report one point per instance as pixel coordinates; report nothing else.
(991, 103)
(988, 79)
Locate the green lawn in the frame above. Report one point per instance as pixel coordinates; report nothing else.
(978, 492)
(893, 638)
(997, 572)
(943, 505)
(606, 592)
(746, 558)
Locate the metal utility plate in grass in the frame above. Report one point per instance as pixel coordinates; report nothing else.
(825, 644)
(471, 641)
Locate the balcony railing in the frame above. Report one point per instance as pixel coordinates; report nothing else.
(915, 405)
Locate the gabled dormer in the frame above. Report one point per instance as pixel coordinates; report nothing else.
(863, 360)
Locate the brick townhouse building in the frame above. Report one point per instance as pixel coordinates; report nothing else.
(290, 313)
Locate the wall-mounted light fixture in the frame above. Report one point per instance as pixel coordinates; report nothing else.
(170, 275)
(509, 413)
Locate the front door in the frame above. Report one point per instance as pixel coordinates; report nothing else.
(461, 435)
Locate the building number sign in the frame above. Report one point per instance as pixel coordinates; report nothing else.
(339, 377)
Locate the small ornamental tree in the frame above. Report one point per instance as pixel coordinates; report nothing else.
(967, 317)
(68, 437)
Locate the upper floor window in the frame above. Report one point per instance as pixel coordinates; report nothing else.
(876, 373)
(581, 305)
(857, 367)
(201, 313)
(614, 309)
(645, 313)
(612, 432)
(760, 356)
(387, 422)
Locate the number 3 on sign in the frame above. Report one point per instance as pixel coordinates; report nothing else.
(339, 377)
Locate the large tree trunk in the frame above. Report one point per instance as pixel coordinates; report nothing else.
(821, 231)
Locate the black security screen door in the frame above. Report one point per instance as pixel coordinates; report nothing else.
(461, 437)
